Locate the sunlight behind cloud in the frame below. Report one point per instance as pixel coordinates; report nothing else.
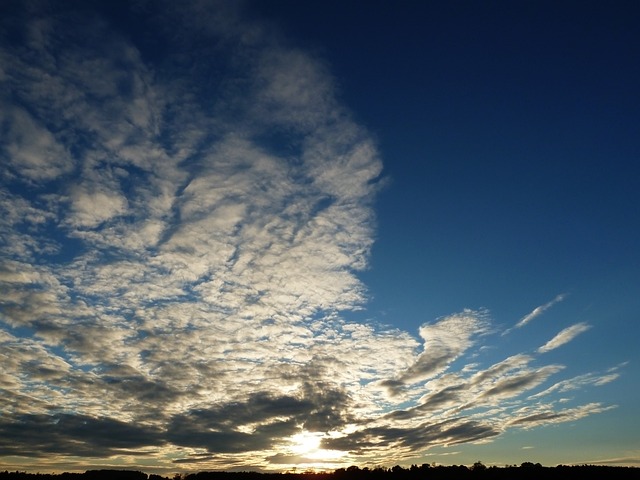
(305, 443)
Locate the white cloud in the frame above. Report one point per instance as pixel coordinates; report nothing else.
(579, 382)
(541, 415)
(565, 336)
(91, 208)
(30, 149)
(536, 312)
(444, 341)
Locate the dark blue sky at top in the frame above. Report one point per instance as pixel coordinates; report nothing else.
(509, 132)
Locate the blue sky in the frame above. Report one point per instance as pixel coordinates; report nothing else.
(277, 235)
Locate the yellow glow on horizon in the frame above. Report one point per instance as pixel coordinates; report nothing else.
(325, 455)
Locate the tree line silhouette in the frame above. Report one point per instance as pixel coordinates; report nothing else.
(478, 471)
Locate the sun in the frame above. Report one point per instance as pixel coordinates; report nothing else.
(304, 443)
(307, 446)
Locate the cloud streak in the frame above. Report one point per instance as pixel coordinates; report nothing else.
(536, 312)
(565, 336)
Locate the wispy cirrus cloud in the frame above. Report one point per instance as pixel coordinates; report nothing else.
(536, 312)
(581, 381)
(181, 240)
(565, 336)
(537, 416)
(633, 460)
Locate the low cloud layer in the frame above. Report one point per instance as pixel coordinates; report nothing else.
(181, 229)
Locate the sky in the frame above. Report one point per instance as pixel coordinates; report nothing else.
(286, 236)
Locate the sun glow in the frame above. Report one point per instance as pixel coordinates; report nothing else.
(307, 446)
(305, 443)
